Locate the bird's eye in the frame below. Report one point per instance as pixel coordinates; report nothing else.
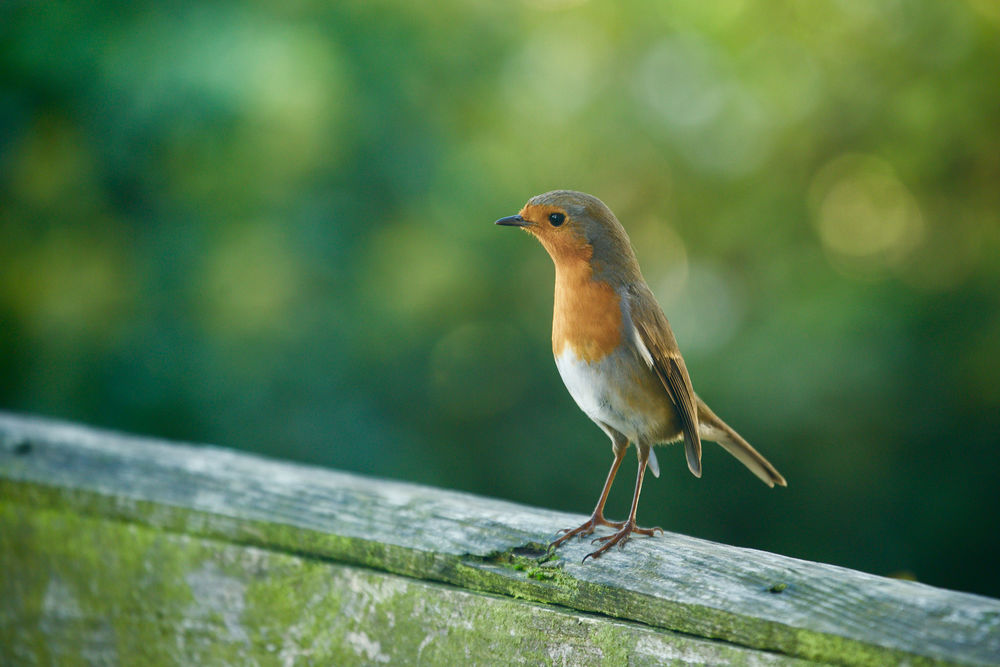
(556, 219)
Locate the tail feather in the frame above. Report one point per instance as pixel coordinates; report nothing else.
(713, 428)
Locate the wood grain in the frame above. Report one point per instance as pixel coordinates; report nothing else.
(61, 484)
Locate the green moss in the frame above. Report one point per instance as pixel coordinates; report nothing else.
(96, 590)
(64, 540)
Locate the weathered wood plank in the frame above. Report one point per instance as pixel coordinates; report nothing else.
(100, 591)
(671, 583)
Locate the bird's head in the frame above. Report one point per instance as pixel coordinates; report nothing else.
(574, 226)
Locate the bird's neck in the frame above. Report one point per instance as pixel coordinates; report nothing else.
(587, 315)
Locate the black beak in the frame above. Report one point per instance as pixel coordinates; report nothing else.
(513, 221)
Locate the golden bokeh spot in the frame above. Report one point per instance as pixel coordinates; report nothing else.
(53, 168)
(248, 284)
(69, 284)
(990, 9)
(415, 273)
(864, 214)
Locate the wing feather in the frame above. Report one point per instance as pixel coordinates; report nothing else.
(658, 348)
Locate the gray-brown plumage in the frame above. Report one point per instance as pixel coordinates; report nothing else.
(616, 353)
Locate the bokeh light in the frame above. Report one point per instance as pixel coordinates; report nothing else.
(269, 226)
(863, 214)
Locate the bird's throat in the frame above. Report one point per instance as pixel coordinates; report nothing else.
(586, 314)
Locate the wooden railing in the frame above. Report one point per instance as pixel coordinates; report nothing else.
(123, 550)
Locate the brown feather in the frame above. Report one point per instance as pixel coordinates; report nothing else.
(713, 428)
(595, 266)
(654, 332)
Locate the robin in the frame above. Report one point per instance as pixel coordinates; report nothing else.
(616, 353)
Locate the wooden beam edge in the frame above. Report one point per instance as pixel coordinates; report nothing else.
(513, 567)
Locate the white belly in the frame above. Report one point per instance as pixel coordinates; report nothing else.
(621, 405)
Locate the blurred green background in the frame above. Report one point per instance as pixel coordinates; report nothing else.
(268, 225)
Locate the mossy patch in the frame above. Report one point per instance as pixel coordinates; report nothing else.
(100, 591)
(68, 505)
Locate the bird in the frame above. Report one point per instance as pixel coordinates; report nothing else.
(617, 355)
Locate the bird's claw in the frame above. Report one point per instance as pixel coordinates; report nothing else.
(584, 529)
(619, 538)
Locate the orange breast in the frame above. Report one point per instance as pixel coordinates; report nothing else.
(586, 315)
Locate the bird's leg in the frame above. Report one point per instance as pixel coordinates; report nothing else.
(597, 518)
(628, 527)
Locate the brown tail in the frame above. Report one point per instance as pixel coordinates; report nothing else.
(710, 427)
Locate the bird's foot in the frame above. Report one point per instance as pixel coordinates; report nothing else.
(620, 538)
(586, 528)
